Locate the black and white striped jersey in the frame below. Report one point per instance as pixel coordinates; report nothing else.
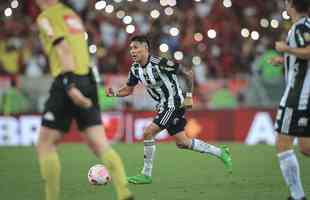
(297, 70)
(159, 76)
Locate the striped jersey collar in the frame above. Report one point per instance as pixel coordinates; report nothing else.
(148, 61)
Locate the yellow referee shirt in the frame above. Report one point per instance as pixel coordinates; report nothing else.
(57, 22)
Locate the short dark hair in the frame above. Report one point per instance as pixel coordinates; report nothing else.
(301, 6)
(141, 38)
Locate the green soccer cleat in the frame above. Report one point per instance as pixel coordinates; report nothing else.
(226, 158)
(140, 179)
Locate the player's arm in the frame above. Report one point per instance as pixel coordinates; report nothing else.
(123, 91)
(187, 74)
(126, 89)
(302, 51)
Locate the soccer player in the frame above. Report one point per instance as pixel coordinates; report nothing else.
(73, 95)
(160, 78)
(294, 110)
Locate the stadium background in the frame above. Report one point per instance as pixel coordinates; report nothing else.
(226, 42)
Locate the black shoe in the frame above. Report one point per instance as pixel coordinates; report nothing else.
(291, 198)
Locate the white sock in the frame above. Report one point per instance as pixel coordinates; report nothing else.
(291, 173)
(203, 147)
(149, 154)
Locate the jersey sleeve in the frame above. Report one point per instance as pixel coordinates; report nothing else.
(49, 29)
(168, 66)
(132, 79)
(302, 35)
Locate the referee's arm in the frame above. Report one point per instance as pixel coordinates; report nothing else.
(67, 62)
(64, 54)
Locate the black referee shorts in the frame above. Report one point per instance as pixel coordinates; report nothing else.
(59, 110)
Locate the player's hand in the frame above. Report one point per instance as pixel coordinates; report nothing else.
(188, 102)
(110, 92)
(277, 60)
(78, 98)
(282, 46)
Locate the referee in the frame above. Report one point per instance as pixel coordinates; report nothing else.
(73, 95)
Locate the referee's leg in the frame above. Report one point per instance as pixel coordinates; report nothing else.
(98, 143)
(49, 162)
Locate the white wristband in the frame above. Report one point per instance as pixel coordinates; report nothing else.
(189, 94)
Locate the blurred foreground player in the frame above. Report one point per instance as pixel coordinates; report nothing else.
(73, 95)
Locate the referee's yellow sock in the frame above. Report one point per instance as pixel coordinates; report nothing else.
(50, 171)
(116, 168)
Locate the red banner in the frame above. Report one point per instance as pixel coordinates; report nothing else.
(24, 129)
(242, 125)
(217, 125)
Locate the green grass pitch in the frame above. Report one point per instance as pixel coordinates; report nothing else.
(178, 174)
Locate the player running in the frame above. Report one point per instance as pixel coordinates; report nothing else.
(160, 78)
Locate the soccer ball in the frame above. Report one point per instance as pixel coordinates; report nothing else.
(98, 175)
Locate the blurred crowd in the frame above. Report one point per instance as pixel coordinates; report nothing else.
(227, 54)
(206, 35)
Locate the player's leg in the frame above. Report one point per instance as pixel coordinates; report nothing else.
(49, 162)
(304, 146)
(99, 145)
(149, 153)
(289, 166)
(287, 126)
(184, 142)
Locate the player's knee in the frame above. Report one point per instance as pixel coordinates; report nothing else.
(98, 148)
(47, 140)
(94, 148)
(43, 140)
(147, 135)
(283, 144)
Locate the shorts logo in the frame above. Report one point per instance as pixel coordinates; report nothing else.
(175, 121)
(49, 116)
(303, 122)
